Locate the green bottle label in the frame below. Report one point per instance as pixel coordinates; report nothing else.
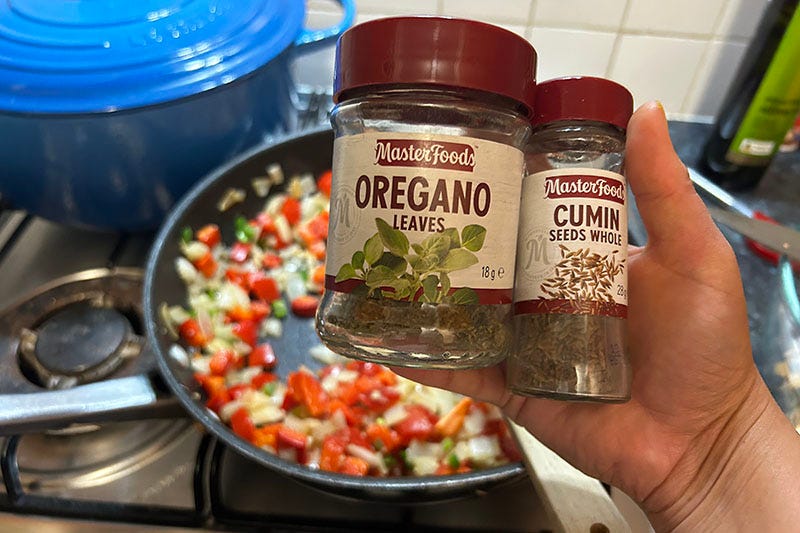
(774, 106)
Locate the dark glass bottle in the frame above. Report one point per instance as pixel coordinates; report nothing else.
(761, 103)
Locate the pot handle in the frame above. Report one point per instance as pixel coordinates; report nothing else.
(308, 36)
(113, 400)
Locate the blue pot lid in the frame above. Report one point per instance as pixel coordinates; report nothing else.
(84, 56)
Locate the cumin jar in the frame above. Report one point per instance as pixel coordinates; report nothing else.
(427, 172)
(571, 291)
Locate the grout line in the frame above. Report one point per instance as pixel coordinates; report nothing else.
(440, 7)
(531, 17)
(612, 59)
(703, 64)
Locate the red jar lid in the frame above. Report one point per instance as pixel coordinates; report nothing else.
(437, 52)
(582, 98)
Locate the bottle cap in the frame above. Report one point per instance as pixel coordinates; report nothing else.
(582, 98)
(436, 52)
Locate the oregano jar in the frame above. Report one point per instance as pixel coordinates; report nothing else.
(431, 118)
(571, 292)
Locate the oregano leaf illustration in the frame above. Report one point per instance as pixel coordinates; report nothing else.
(444, 279)
(345, 272)
(455, 239)
(472, 237)
(358, 260)
(398, 265)
(380, 276)
(373, 249)
(465, 296)
(458, 259)
(429, 287)
(394, 240)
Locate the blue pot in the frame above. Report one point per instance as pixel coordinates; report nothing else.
(110, 110)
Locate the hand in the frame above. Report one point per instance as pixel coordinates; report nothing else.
(696, 393)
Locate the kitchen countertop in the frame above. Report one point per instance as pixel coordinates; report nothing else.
(778, 195)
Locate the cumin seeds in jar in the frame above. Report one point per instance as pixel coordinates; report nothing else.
(571, 279)
(427, 173)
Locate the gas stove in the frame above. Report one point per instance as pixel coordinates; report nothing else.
(70, 315)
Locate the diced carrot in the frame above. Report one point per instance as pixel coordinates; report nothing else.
(383, 437)
(207, 265)
(318, 276)
(354, 466)
(451, 423)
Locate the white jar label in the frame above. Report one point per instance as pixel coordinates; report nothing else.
(428, 218)
(573, 244)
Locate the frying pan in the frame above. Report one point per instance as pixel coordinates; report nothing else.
(307, 152)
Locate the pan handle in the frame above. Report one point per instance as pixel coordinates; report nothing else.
(114, 400)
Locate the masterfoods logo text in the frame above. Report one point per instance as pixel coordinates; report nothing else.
(584, 187)
(424, 153)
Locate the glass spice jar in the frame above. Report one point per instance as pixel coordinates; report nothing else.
(570, 300)
(427, 174)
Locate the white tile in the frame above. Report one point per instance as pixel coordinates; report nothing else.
(519, 30)
(571, 52)
(714, 76)
(657, 68)
(403, 7)
(741, 18)
(674, 16)
(511, 11)
(594, 14)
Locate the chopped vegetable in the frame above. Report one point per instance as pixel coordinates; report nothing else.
(350, 417)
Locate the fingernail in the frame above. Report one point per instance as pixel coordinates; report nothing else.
(660, 106)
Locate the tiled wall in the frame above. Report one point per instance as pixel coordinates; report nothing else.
(682, 52)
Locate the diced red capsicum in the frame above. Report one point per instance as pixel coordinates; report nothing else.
(289, 438)
(354, 466)
(271, 261)
(305, 306)
(262, 355)
(264, 287)
(291, 210)
(306, 390)
(190, 332)
(418, 424)
(261, 379)
(240, 251)
(332, 453)
(242, 424)
(247, 330)
(209, 235)
(324, 183)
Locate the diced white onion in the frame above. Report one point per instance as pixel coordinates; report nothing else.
(275, 173)
(484, 448)
(267, 414)
(179, 355)
(474, 423)
(194, 250)
(200, 364)
(232, 296)
(205, 324)
(295, 287)
(272, 327)
(283, 228)
(396, 413)
(230, 198)
(245, 375)
(261, 186)
(372, 458)
(166, 320)
(227, 410)
(186, 270)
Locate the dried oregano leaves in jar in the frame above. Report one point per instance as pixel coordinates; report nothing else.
(427, 174)
(571, 279)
